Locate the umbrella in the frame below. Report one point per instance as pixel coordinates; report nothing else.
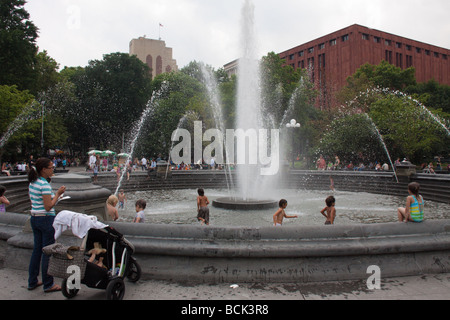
(94, 152)
(123, 155)
(108, 153)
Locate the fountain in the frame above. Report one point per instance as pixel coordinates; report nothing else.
(249, 103)
(176, 250)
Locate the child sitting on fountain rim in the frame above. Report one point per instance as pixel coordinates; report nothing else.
(280, 214)
(413, 211)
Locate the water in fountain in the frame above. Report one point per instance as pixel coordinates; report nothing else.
(135, 132)
(216, 106)
(380, 137)
(403, 95)
(248, 96)
(180, 124)
(30, 112)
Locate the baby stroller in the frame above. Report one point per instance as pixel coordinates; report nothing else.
(105, 260)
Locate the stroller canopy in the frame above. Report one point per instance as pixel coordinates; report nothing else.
(79, 223)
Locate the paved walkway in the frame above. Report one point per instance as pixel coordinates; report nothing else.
(427, 287)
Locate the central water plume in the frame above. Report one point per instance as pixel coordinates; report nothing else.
(248, 95)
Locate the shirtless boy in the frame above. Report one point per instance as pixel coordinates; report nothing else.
(330, 210)
(202, 207)
(280, 214)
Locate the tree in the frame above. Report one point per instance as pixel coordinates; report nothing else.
(175, 95)
(109, 96)
(17, 45)
(432, 94)
(384, 75)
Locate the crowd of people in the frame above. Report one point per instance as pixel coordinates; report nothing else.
(336, 164)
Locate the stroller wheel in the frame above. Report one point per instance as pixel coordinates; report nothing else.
(68, 293)
(134, 273)
(115, 289)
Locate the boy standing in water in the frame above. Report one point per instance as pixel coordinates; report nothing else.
(330, 210)
(202, 207)
(280, 214)
(122, 198)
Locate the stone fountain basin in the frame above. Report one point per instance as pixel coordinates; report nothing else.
(266, 254)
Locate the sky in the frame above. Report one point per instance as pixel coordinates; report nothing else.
(73, 32)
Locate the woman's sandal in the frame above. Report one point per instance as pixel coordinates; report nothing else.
(55, 288)
(37, 285)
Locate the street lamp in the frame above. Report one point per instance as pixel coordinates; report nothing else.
(42, 129)
(293, 124)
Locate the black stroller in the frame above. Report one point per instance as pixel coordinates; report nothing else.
(109, 268)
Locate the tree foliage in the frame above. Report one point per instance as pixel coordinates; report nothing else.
(17, 45)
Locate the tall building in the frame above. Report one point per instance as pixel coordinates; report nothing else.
(336, 56)
(155, 54)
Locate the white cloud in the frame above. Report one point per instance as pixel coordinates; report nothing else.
(74, 32)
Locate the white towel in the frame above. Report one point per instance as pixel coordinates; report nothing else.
(79, 223)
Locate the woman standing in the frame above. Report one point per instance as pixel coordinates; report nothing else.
(43, 214)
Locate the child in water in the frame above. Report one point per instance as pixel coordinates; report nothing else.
(330, 210)
(3, 200)
(140, 207)
(202, 207)
(280, 214)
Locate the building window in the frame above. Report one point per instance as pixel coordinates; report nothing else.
(291, 57)
(399, 60)
(377, 39)
(387, 42)
(333, 42)
(409, 61)
(321, 46)
(444, 56)
(365, 36)
(301, 53)
(311, 50)
(408, 47)
(436, 54)
(418, 50)
(345, 38)
(301, 64)
(159, 65)
(149, 61)
(388, 56)
(398, 45)
(427, 52)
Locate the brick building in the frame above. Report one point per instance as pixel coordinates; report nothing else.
(336, 56)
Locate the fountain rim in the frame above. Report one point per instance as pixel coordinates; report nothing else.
(239, 203)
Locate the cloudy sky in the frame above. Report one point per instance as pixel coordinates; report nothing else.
(76, 31)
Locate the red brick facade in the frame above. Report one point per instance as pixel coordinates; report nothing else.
(336, 56)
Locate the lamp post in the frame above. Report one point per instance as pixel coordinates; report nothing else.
(42, 129)
(293, 124)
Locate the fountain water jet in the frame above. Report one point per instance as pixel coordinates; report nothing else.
(148, 111)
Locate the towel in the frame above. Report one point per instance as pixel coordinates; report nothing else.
(79, 223)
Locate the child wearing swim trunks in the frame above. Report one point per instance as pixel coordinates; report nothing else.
(280, 214)
(202, 207)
